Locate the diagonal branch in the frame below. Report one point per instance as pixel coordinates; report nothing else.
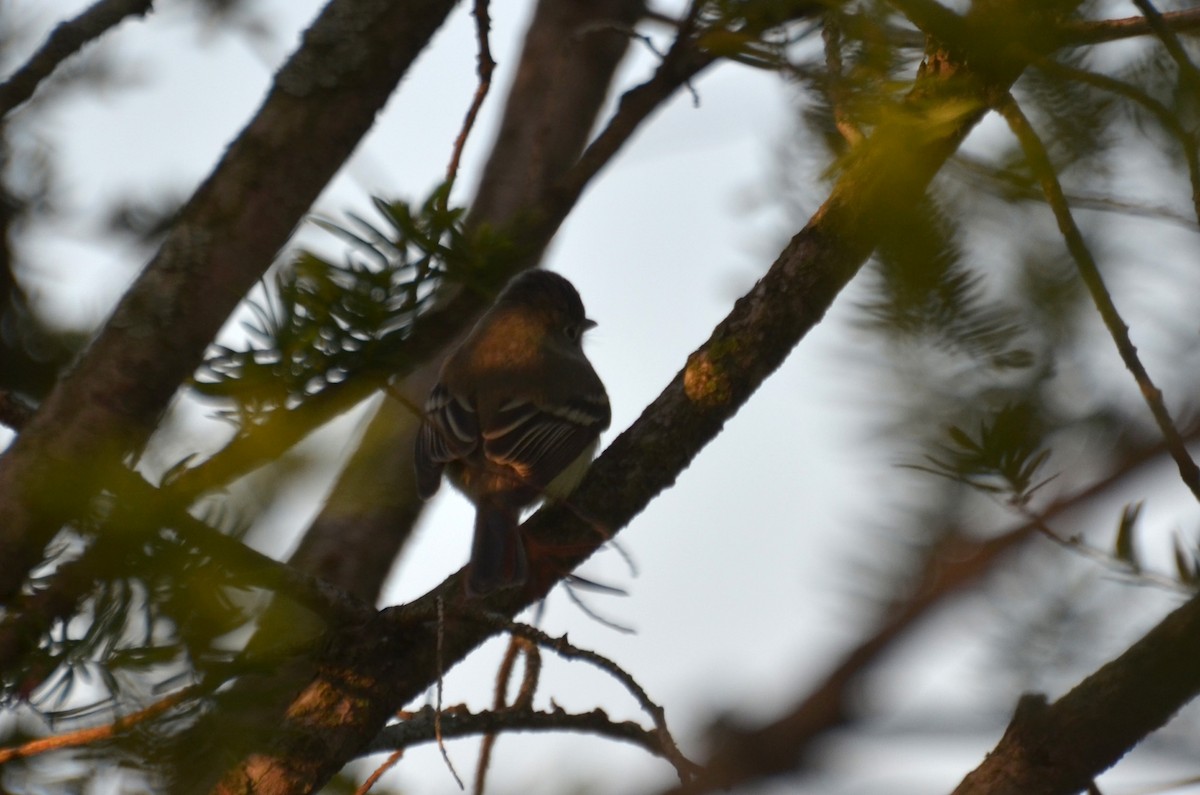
(64, 41)
(485, 66)
(368, 674)
(1058, 749)
(568, 61)
(1043, 169)
(747, 755)
(89, 736)
(1189, 75)
(100, 414)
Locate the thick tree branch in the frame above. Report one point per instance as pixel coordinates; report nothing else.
(322, 102)
(64, 41)
(1059, 749)
(570, 54)
(375, 671)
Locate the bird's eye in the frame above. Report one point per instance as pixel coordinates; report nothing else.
(572, 331)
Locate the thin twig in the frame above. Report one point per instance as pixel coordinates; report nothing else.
(417, 728)
(567, 650)
(95, 734)
(1169, 121)
(530, 676)
(1117, 566)
(1106, 30)
(484, 68)
(1188, 74)
(1039, 161)
(681, 63)
(499, 702)
(437, 714)
(64, 41)
(378, 772)
(836, 82)
(649, 44)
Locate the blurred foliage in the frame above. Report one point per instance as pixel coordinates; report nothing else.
(321, 322)
(1002, 458)
(144, 219)
(31, 351)
(33, 347)
(1000, 382)
(154, 610)
(928, 291)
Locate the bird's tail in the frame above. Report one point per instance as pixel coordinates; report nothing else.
(497, 553)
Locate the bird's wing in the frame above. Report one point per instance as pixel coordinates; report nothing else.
(539, 441)
(449, 432)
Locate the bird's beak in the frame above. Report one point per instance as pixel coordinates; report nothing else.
(588, 323)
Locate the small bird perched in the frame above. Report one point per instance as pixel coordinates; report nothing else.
(516, 416)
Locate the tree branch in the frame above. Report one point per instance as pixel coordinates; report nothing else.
(418, 727)
(1043, 169)
(322, 102)
(1188, 74)
(742, 756)
(1103, 717)
(64, 41)
(484, 68)
(370, 674)
(569, 57)
(1106, 30)
(567, 650)
(81, 737)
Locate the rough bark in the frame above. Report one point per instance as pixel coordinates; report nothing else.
(322, 102)
(398, 657)
(1060, 748)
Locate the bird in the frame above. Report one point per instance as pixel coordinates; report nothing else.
(515, 417)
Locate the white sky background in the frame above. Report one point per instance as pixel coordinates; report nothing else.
(772, 513)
